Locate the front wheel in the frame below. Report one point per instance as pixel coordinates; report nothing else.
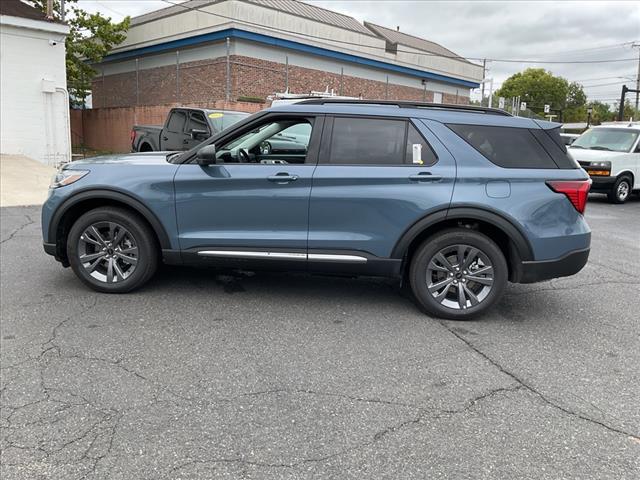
(620, 191)
(458, 274)
(112, 250)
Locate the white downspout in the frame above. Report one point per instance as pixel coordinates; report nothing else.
(67, 155)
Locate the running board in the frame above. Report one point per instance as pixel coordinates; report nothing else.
(317, 257)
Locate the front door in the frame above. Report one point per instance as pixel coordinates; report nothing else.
(375, 178)
(254, 202)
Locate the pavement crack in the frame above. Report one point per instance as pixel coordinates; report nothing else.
(17, 230)
(327, 394)
(535, 391)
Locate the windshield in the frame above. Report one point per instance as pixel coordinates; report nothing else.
(613, 139)
(222, 120)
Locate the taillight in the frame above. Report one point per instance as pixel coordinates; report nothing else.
(576, 191)
(133, 135)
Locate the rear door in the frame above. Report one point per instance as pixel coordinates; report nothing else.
(172, 135)
(370, 186)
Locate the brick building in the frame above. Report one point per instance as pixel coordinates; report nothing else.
(205, 51)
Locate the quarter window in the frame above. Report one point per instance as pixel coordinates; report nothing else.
(506, 146)
(428, 157)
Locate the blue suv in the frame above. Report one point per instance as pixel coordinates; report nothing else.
(455, 200)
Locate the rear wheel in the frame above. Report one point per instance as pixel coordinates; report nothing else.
(620, 191)
(458, 274)
(112, 250)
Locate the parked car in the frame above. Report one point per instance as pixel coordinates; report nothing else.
(611, 156)
(568, 138)
(183, 129)
(455, 200)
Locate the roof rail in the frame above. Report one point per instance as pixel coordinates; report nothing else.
(407, 104)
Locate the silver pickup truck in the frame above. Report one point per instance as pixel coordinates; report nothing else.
(184, 129)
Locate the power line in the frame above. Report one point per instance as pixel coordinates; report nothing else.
(606, 84)
(429, 54)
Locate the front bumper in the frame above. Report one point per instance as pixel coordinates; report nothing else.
(538, 271)
(602, 184)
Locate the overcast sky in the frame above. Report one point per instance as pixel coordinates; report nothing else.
(557, 30)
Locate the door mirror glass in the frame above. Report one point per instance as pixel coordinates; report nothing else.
(206, 155)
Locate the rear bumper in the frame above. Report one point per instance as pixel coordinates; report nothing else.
(538, 271)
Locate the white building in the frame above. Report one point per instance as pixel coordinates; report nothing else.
(33, 85)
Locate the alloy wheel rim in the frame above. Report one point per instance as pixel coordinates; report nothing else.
(623, 190)
(108, 252)
(460, 277)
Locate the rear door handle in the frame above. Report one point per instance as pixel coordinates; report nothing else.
(165, 138)
(425, 177)
(185, 141)
(282, 177)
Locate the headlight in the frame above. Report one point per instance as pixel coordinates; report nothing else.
(67, 177)
(603, 165)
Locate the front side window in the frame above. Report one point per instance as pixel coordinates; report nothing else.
(197, 122)
(356, 141)
(611, 139)
(176, 121)
(278, 141)
(507, 147)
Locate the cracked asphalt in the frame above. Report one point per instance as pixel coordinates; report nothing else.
(205, 374)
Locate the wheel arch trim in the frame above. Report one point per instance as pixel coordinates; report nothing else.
(513, 232)
(106, 194)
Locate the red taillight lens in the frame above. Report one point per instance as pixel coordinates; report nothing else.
(133, 135)
(576, 191)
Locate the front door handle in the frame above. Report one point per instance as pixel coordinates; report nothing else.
(425, 177)
(165, 138)
(185, 141)
(282, 178)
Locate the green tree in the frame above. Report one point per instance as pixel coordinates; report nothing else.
(91, 37)
(536, 87)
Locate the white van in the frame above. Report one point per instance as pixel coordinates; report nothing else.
(611, 156)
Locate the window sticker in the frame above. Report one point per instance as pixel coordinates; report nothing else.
(417, 154)
(216, 115)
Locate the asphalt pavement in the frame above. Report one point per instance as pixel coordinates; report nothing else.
(205, 374)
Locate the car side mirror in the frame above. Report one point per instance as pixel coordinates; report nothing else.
(637, 150)
(207, 155)
(198, 134)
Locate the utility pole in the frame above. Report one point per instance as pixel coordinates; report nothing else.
(637, 45)
(62, 11)
(484, 74)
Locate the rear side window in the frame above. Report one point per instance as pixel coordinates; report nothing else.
(369, 141)
(506, 147)
(176, 121)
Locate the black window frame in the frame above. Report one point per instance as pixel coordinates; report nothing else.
(327, 139)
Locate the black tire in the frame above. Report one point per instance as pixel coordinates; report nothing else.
(139, 234)
(621, 190)
(449, 239)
